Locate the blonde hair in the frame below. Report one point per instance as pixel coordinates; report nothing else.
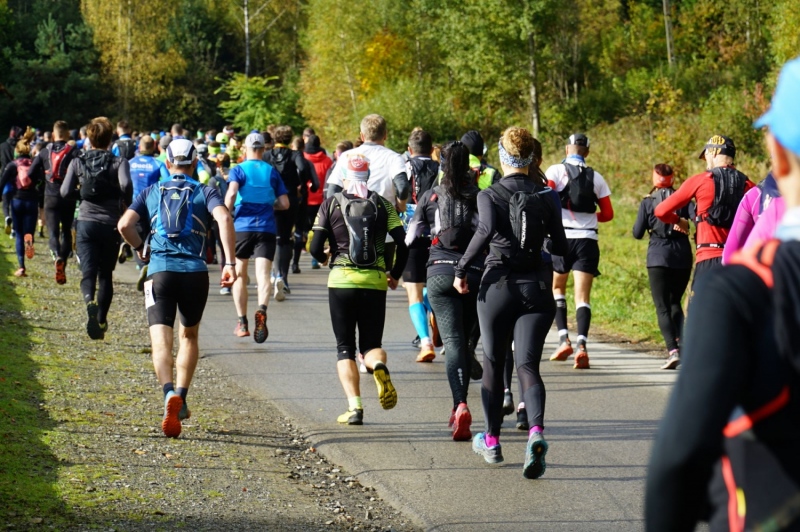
(23, 146)
(519, 142)
(373, 127)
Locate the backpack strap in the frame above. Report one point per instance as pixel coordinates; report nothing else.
(759, 258)
(502, 191)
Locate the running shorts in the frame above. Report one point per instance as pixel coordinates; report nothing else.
(176, 292)
(357, 307)
(417, 266)
(257, 245)
(583, 256)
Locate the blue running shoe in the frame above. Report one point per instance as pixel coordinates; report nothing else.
(534, 456)
(492, 455)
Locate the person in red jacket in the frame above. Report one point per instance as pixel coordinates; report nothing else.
(314, 154)
(715, 212)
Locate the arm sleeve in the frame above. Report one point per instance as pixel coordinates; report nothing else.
(401, 253)
(70, 180)
(213, 199)
(320, 230)
(641, 225)
(606, 213)
(314, 177)
(713, 372)
(482, 237)
(402, 186)
(124, 177)
(303, 169)
(667, 209)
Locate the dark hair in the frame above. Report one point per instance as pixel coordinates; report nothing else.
(420, 142)
(283, 135)
(267, 137)
(309, 131)
(100, 132)
(124, 126)
(344, 145)
(455, 169)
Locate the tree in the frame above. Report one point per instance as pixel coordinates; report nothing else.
(255, 103)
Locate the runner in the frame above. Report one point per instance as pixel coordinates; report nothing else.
(354, 223)
(755, 202)
(6, 157)
(59, 212)
(178, 278)
(582, 190)
(105, 185)
(449, 212)
(423, 173)
(726, 450)
(125, 146)
(485, 175)
(717, 193)
(315, 155)
(514, 300)
(256, 191)
(669, 261)
(25, 201)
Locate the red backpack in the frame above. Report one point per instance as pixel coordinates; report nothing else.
(55, 175)
(24, 181)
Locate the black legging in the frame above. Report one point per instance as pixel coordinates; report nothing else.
(98, 247)
(524, 312)
(455, 316)
(59, 214)
(285, 221)
(667, 286)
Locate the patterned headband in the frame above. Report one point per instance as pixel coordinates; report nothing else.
(512, 161)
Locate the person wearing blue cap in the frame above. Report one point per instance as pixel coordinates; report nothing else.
(726, 451)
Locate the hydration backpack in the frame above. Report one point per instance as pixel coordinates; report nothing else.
(769, 191)
(728, 193)
(578, 195)
(127, 148)
(528, 212)
(659, 228)
(454, 219)
(24, 180)
(97, 183)
(56, 173)
(423, 176)
(282, 159)
(174, 218)
(361, 219)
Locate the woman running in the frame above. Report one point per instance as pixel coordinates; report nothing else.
(518, 216)
(355, 222)
(669, 261)
(25, 198)
(449, 213)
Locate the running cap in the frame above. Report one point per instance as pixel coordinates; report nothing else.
(222, 138)
(164, 141)
(202, 149)
(357, 168)
(578, 139)
(181, 152)
(254, 141)
(783, 117)
(663, 176)
(474, 143)
(719, 145)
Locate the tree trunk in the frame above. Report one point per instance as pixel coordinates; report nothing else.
(534, 93)
(668, 30)
(247, 38)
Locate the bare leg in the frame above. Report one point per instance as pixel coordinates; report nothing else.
(187, 354)
(263, 268)
(240, 288)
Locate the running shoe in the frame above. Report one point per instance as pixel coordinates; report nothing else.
(387, 395)
(522, 419)
(8, 225)
(492, 455)
(563, 351)
(225, 291)
(286, 289)
(462, 419)
(352, 417)
(61, 272)
(508, 403)
(280, 293)
(476, 370)
(534, 456)
(142, 278)
(314, 264)
(415, 342)
(672, 362)
(185, 413)
(122, 256)
(260, 333)
(93, 328)
(426, 353)
(41, 232)
(29, 251)
(171, 424)
(296, 268)
(20, 273)
(103, 329)
(452, 419)
(241, 330)
(582, 358)
(435, 336)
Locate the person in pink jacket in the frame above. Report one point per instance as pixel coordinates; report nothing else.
(767, 223)
(754, 203)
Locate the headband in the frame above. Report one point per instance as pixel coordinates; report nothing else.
(512, 161)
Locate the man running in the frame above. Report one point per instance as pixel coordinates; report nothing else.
(125, 146)
(582, 190)
(178, 281)
(256, 191)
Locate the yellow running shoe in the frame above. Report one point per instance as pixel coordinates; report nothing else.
(352, 417)
(387, 395)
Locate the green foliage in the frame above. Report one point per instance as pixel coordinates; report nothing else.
(255, 102)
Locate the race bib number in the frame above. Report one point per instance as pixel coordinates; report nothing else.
(149, 298)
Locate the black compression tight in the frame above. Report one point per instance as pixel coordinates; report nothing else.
(456, 314)
(59, 214)
(667, 286)
(523, 312)
(98, 246)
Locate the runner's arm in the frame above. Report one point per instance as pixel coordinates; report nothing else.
(482, 237)
(230, 196)
(314, 178)
(402, 186)
(742, 226)
(606, 213)
(282, 203)
(667, 209)
(8, 174)
(320, 233)
(227, 237)
(642, 224)
(124, 177)
(70, 182)
(401, 252)
(557, 243)
(37, 164)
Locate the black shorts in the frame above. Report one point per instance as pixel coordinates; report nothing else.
(583, 256)
(173, 292)
(257, 245)
(417, 266)
(357, 307)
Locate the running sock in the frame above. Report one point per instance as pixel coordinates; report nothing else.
(425, 301)
(491, 441)
(182, 392)
(419, 318)
(584, 318)
(673, 352)
(355, 403)
(243, 319)
(168, 387)
(262, 307)
(535, 428)
(561, 318)
(521, 406)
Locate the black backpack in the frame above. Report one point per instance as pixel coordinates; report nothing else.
(528, 214)
(578, 195)
(97, 183)
(454, 218)
(127, 148)
(728, 193)
(423, 176)
(657, 227)
(361, 219)
(282, 159)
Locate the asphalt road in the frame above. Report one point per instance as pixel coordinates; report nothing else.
(600, 423)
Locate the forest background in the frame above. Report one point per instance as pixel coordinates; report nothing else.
(649, 80)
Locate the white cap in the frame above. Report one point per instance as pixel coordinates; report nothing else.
(181, 152)
(254, 141)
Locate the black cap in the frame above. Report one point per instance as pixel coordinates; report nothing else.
(312, 144)
(720, 145)
(578, 139)
(474, 142)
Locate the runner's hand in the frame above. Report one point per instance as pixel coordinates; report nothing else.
(391, 281)
(228, 276)
(143, 255)
(682, 226)
(461, 285)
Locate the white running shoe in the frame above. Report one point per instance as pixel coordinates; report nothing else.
(280, 294)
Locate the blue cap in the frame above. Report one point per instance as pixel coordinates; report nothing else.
(783, 117)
